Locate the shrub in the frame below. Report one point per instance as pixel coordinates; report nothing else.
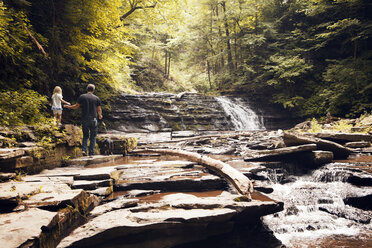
(21, 107)
(342, 126)
(315, 126)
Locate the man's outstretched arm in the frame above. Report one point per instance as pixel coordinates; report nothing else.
(75, 106)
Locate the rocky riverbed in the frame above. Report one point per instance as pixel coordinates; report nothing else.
(151, 200)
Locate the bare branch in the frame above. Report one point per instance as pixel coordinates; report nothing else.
(134, 8)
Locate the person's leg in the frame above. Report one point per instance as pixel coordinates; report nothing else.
(93, 136)
(85, 137)
(55, 114)
(59, 117)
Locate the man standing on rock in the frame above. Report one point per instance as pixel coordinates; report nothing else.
(91, 105)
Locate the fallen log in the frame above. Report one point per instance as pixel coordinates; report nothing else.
(240, 182)
(338, 150)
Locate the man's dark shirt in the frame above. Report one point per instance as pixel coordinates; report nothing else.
(89, 103)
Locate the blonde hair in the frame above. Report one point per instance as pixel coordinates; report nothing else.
(57, 90)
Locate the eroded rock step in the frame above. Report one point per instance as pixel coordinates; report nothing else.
(54, 203)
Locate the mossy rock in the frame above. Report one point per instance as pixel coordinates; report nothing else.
(121, 144)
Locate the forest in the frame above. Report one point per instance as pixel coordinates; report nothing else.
(309, 56)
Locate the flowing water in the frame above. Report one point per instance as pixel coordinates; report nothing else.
(315, 214)
(242, 116)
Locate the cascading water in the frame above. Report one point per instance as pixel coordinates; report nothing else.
(241, 115)
(315, 213)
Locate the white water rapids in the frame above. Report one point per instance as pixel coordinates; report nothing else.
(242, 116)
(303, 223)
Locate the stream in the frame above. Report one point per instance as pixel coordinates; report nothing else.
(315, 214)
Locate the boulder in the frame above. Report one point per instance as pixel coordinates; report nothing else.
(73, 135)
(119, 144)
(317, 157)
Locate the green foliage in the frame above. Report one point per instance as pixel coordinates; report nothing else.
(343, 126)
(22, 64)
(21, 107)
(312, 57)
(48, 134)
(315, 127)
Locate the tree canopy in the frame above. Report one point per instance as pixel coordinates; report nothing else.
(310, 56)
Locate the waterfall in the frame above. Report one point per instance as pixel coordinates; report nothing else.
(242, 117)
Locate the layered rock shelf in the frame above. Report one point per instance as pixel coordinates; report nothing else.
(186, 111)
(141, 199)
(165, 112)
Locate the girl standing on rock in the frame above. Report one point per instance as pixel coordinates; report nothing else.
(57, 99)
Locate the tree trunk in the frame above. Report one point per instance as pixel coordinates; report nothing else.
(221, 37)
(209, 75)
(165, 63)
(240, 182)
(228, 42)
(169, 63)
(355, 60)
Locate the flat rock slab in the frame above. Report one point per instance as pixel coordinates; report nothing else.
(78, 173)
(358, 144)
(69, 180)
(91, 185)
(18, 227)
(56, 195)
(102, 191)
(22, 190)
(251, 155)
(96, 159)
(345, 136)
(40, 194)
(113, 205)
(338, 150)
(174, 219)
(7, 176)
(7, 153)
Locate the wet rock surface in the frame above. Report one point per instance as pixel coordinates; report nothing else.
(167, 201)
(138, 204)
(175, 218)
